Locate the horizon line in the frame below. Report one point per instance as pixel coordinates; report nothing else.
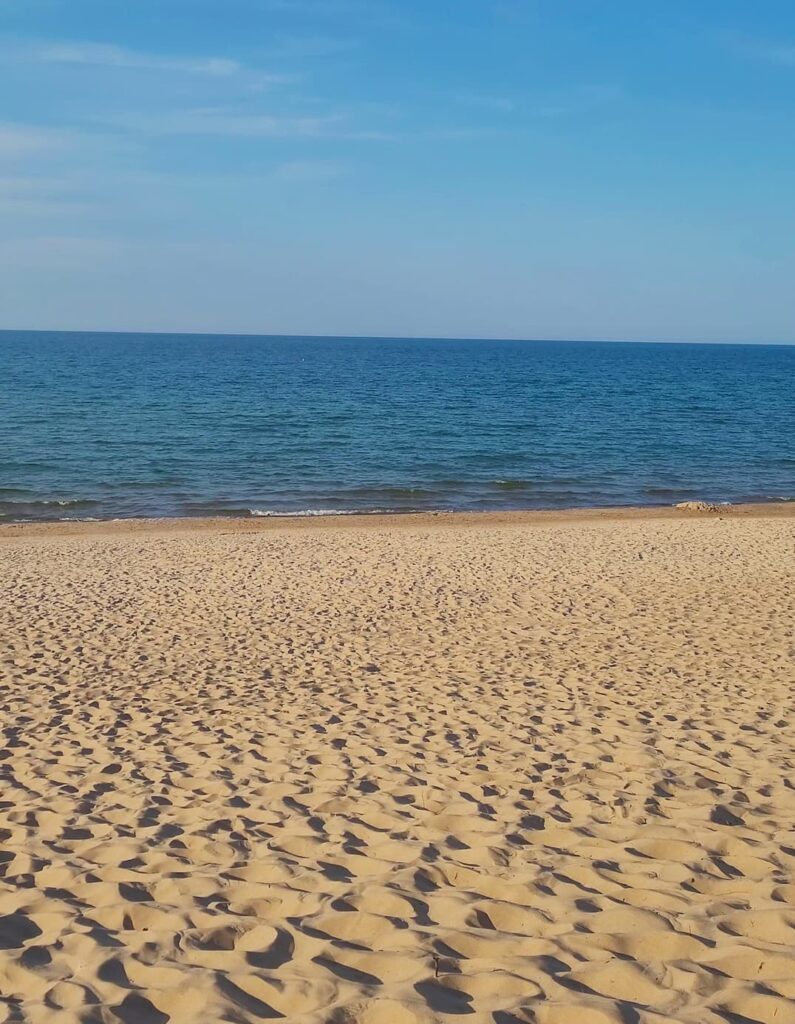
(395, 337)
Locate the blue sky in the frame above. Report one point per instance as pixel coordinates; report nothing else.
(479, 168)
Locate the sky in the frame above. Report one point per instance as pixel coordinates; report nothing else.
(607, 169)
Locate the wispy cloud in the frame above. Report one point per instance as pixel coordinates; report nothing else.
(233, 124)
(581, 99)
(315, 8)
(372, 13)
(763, 50)
(108, 55)
(219, 121)
(20, 186)
(288, 47)
(21, 140)
(40, 196)
(309, 170)
(485, 101)
(578, 99)
(41, 252)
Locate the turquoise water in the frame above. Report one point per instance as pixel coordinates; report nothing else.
(112, 425)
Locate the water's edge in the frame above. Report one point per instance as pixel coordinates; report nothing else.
(327, 513)
(249, 524)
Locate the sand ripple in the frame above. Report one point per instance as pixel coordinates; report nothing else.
(517, 773)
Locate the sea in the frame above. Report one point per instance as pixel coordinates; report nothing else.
(107, 426)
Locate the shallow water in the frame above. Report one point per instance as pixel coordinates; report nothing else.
(112, 425)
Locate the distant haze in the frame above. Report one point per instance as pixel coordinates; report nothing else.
(458, 168)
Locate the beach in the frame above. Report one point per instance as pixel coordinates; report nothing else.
(516, 767)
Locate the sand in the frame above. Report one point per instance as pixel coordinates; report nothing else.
(385, 771)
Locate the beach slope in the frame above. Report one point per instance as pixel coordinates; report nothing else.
(385, 771)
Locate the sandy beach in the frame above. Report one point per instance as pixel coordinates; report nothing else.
(387, 770)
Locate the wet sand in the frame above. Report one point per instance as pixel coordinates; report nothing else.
(517, 767)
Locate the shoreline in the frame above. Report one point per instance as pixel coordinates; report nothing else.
(376, 520)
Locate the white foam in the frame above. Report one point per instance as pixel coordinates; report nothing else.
(60, 502)
(303, 512)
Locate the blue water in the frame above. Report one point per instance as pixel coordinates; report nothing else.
(112, 425)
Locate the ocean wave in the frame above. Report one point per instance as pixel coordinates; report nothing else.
(304, 512)
(512, 485)
(32, 504)
(211, 510)
(32, 509)
(57, 502)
